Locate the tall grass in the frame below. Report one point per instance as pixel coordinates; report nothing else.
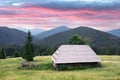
(9, 70)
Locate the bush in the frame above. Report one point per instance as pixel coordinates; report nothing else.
(62, 67)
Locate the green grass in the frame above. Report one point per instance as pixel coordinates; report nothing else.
(9, 70)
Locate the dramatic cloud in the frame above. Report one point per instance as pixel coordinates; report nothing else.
(99, 14)
(65, 4)
(78, 4)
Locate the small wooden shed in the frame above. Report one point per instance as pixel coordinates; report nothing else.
(74, 54)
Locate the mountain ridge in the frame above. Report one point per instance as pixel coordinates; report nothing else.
(99, 38)
(34, 31)
(52, 32)
(115, 32)
(9, 36)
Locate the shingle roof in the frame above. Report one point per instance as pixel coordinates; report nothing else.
(74, 54)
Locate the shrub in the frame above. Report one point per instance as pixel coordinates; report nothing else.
(62, 67)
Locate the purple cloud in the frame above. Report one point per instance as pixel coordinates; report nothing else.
(79, 5)
(7, 12)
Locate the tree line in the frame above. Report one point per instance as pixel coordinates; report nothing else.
(28, 51)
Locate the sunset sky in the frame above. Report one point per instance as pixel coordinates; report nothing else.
(47, 14)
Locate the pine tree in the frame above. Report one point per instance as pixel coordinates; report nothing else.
(28, 48)
(2, 54)
(76, 39)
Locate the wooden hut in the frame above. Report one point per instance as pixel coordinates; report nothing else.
(74, 54)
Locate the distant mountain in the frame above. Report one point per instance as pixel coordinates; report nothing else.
(98, 38)
(52, 32)
(115, 32)
(34, 31)
(12, 36)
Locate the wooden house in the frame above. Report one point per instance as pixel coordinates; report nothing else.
(75, 54)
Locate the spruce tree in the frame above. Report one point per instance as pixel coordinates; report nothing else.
(76, 39)
(2, 54)
(28, 48)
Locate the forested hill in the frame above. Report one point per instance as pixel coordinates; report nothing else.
(96, 37)
(11, 36)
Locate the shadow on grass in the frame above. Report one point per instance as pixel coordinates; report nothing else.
(78, 67)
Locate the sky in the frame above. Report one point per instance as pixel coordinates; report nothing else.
(46, 14)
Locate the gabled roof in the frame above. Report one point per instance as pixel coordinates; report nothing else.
(74, 54)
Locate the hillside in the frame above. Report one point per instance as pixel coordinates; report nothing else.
(115, 32)
(52, 32)
(9, 70)
(12, 36)
(99, 38)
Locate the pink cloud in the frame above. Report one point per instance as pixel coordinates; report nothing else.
(46, 17)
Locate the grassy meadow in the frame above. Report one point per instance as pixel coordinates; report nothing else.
(9, 70)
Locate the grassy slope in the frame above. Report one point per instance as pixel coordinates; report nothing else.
(109, 71)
